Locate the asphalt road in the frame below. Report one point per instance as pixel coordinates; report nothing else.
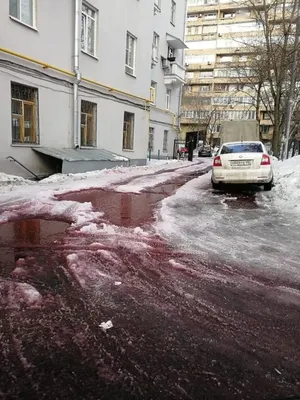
(209, 309)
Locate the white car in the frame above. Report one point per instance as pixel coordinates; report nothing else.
(242, 163)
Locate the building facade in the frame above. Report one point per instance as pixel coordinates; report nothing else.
(218, 34)
(89, 82)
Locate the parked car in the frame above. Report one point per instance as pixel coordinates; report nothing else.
(242, 163)
(205, 151)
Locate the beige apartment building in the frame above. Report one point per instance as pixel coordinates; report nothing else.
(217, 88)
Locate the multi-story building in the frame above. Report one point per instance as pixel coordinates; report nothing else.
(218, 89)
(86, 85)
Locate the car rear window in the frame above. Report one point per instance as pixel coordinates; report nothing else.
(242, 148)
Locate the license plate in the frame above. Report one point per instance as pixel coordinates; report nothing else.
(241, 163)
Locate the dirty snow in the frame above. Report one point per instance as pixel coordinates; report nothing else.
(215, 226)
(26, 198)
(286, 193)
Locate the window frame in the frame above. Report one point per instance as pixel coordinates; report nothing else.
(21, 117)
(153, 89)
(130, 124)
(19, 19)
(95, 20)
(93, 115)
(173, 12)
(155, 47)
(168, 99)
(130, 70)
(165, 141)
(151, 139)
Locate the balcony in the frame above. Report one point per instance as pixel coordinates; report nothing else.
(175, 75)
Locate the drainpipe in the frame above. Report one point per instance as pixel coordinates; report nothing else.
(183, 64)
(77, 73)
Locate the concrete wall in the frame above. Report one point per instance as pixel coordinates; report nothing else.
(51, 42)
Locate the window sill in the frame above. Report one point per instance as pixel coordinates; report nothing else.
(23, 23)
(129, 74)
(90, 55)
(88, 147)
(157, 9)
(128, 150)
(25, 145)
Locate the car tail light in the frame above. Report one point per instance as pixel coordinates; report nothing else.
(217, 162)
(265, 160)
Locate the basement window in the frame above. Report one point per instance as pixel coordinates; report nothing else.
(24, 114)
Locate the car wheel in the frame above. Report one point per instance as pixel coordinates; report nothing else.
(215, 186)
(268, 186)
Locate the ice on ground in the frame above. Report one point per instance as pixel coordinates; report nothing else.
(38, 198)
(194, 220)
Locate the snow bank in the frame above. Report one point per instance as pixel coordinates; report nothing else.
(13, 180)
(286, 193)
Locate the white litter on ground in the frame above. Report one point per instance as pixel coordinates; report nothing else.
(106, 325)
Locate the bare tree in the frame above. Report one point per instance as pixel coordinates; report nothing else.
(270, 55)
(204, 117)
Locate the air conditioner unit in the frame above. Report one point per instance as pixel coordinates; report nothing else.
(165, 64)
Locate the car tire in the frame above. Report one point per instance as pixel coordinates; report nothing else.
(215, 186)
(268, 186)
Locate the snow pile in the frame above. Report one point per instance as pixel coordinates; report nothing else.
(13, 180)
(286, 193)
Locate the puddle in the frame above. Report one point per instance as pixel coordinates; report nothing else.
(31, 231)
(127, 209)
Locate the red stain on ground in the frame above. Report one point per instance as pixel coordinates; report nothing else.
(181, 329)
(126, 209)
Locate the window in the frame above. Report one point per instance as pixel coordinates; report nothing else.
(228, 15)
(168, 99)
(23, 10)
(204, 88)
(157, 4)
(165, 142)
(242, 148)
(224, 59)
(153, 88)
(192, 17)
(155, 47)
(220, 87)
(88, 29)
(130, 54)
(205, 101)
(206, 74)
(266, 115)
(128, 131)
(210, 16)
(24, 101)
(173, 12)
(151, 139)
(88, 123)
(171, 54)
